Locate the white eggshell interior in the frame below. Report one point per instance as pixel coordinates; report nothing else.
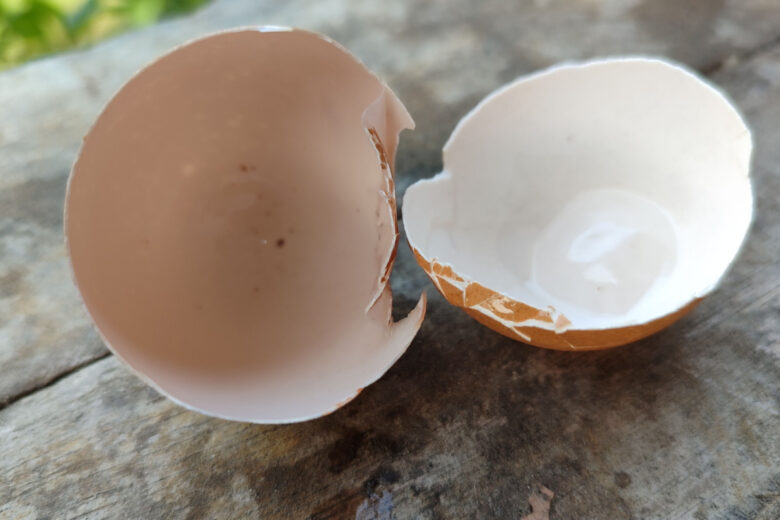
(229, 225)
(613, 191)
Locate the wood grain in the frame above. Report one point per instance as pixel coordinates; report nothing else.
(468, 424)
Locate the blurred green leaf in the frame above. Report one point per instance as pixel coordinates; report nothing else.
(31, 28)
(80, 19)
(32, 21)
(146, 11)
(181, 6)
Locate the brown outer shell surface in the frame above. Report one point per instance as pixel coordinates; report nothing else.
(486, 306)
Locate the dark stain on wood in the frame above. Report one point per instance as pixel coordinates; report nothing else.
(48, 195)
(11, 283)
(622, 479)
(383, 476)
(345, 450)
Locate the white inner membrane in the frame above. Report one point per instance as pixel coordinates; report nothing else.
(585, 258)
(614, 192)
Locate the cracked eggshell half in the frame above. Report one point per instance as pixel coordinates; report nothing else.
(231, 225)
(586, 206)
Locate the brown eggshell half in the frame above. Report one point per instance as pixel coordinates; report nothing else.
(586, 206)
(231, 225)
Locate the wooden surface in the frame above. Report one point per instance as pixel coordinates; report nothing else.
(467, 424)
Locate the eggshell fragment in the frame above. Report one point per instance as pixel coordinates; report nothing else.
(586, 206)
(231, 225)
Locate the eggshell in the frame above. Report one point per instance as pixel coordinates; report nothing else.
(231, 225)
(588, 205)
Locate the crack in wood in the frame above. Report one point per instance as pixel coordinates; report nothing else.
(52, 381)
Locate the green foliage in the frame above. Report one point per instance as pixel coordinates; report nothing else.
(32, 28)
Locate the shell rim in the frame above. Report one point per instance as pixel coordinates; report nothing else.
(728, 104)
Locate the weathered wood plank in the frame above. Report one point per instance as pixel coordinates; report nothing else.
(440, 58)
(681, 426)
(467, 424)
